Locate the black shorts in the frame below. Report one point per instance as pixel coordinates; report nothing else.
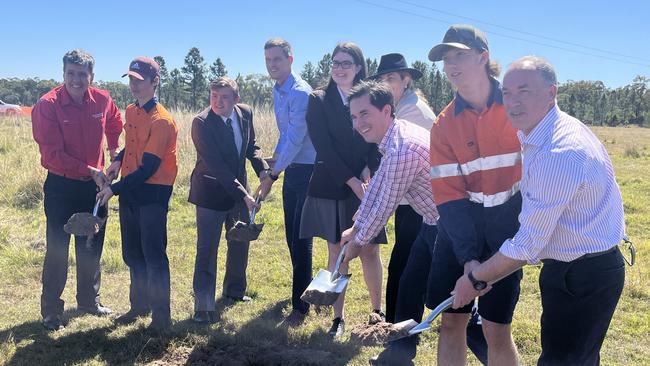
(498, 305)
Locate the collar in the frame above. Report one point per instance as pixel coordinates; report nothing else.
(495, 97)
(233, 116)
(148, 106)
(392, 129)
(287, 83)
(344, 99)
(542, 132)
(66, 99)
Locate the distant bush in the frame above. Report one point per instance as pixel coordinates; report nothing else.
(632, 152)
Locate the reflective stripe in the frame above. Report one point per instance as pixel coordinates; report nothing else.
(483, 163)
(444, 171)
(491, 162)
(491, 200)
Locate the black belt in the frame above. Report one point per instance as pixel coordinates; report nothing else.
(585, 256)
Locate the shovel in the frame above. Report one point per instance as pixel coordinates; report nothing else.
(326, 287)
(85, 224)
(243, 231)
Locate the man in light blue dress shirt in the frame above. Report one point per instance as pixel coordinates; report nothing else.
(295, 155)
(571, 219)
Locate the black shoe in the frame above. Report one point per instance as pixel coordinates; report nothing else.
(204, 317)
(337, 329)
(388, 358)
(159, 327)
(97, 310)
(239, 298)
(53, 323)
(294, 319)
(130, 317)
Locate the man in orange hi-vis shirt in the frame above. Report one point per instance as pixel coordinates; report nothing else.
(475, 174)
(148, 164)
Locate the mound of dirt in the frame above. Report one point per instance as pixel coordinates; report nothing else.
(235, 355)
(316, 297)
(377, 333)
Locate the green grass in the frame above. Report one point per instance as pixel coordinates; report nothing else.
(247, 333)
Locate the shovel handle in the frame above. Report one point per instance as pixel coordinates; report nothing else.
(254, 210)
(96, 208)
(337, 266)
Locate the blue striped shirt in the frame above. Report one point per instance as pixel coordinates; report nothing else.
(572, 204)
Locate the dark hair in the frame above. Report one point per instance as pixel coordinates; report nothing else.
(493, 68)
(279, 42)
(225, 82)
(79, 57)
(355, 52)
(379, 93)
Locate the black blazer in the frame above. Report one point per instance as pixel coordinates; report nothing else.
(219, 176)
(341, 152)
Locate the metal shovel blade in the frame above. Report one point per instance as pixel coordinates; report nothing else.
(85, 224)
(243, 231)
(411, 327)
(326, 287)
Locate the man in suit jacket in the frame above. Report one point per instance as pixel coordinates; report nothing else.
(224, 138)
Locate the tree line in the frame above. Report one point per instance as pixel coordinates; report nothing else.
(187, 88)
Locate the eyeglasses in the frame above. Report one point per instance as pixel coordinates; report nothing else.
(344, 65)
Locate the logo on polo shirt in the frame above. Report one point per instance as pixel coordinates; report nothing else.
(98, 115)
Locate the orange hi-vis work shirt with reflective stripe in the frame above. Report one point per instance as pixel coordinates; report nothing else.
(475, 156)
(151, 132)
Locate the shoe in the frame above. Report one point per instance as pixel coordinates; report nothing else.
(130, 317)
(159, 327)
(53, 323)
(294, 319)
(239, 298)
(388, 358)
(377, 316)
(97, 310)
(204, 317)
(337, 329)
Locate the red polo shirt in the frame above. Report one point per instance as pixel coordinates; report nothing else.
(70, 136)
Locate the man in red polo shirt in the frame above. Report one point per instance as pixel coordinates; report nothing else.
(148, 164)
(69, 124)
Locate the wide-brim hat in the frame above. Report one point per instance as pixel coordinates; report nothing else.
(462, 36)
(395, 62)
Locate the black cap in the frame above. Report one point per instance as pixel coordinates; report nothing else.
(395, 62)
(461, 36)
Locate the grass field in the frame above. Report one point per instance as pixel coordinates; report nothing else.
(247, 333)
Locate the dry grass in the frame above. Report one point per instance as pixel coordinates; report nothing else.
(251, 328)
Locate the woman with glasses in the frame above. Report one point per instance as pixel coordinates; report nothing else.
(342, 170)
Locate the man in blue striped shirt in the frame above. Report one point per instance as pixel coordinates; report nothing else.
(571, 220)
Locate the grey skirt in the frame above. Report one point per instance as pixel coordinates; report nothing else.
(327, 219)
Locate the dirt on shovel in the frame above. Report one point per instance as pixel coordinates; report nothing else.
(377, 332)
(320, 298)
(84, 224)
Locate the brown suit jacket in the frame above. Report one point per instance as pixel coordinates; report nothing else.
(219, 177)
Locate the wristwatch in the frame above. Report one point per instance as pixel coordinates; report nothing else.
(478, 285)
(273, 177)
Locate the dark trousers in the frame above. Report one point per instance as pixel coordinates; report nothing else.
(144, 244)
(209, 224)
(578, 301)
(413, 287)
(294, 192)
(407, 226)
(64, 197)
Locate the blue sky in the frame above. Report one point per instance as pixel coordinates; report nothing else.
(585, 40)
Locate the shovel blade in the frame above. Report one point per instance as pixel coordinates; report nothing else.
(242, 231)
(322, 290)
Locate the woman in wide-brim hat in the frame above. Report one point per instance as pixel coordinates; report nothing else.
(394, 70)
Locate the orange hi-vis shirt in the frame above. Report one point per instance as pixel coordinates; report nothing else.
(475, 156)
(153, 132)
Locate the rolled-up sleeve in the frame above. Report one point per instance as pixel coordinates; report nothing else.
(552, 183)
